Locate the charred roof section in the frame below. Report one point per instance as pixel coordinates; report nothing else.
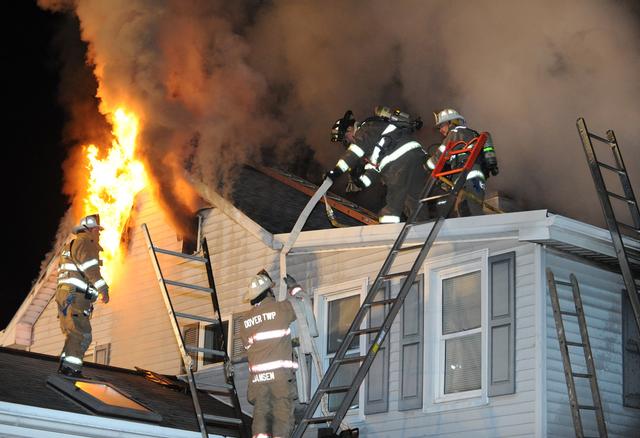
(276, 202)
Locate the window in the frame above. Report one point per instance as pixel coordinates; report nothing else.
(208, 336)
(191, 238)
(461, 332)
(102, 354)
(340, 314)
(456, 332)
(102, 398)
(335, 309)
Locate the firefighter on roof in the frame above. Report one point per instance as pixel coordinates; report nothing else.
(266, 336)
(79, 285)
(452, 126)
(383, 147)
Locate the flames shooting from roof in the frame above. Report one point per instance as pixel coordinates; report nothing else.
(113, 182)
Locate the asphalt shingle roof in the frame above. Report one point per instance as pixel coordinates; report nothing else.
(23, 377)
(276, 206)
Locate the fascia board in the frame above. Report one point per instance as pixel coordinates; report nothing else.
(35, 422)
(586, 236)
(18, 331)
(476, 228)
(235, 214)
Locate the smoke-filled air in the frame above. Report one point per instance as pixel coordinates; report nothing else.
(218, 84)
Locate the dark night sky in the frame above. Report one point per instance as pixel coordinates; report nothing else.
(32, 127)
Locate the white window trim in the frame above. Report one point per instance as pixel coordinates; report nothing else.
(436, 270)
(322, 296)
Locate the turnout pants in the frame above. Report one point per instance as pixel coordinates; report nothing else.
(273, 404)
(405, 178)
(74, 312)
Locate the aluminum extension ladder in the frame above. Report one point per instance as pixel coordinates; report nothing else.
(448, 199)
(569, 374)
(228, 389)
(632, 285)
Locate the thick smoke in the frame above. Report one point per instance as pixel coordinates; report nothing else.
(216, 83)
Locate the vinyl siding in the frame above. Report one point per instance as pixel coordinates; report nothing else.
(600, 292)
(505, 416)
(135, 321)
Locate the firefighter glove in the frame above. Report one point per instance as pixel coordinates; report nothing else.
(105, 295)
(292, 285)
(353, 185)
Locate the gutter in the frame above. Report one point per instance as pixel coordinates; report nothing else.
(32, 422)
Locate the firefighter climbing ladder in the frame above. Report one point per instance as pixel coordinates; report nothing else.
(569, 374)
(605, 196)
(228, 389)
(447, 200)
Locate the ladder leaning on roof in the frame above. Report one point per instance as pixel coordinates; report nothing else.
(448, 199)
(596, 166)
(228, 389)
(569, 374)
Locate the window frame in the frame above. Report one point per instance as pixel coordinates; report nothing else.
(322, 296)
(199, 356)
(437, 270)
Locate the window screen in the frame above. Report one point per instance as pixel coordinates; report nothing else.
(461, 319)
(461, 303)
(462, 363)
(340, 314)
(214, 339)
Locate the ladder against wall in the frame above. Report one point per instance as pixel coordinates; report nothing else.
(226, 389)
(576, 313)
(624, 195)
(444, 199)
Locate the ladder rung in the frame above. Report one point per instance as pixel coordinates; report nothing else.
(612, 168)
(396, 274)
(562, 312)
(630, 227)
(179, 254)
(597, 137)
(564, 283)
(364, 331)
(575, 344)
(588, 408)
(449, 172)
(409, 248)
(350, 359)
(434, 198)
(196, 317)
(317, 420)
(381, 302)
(332, 389)
(222, 420)
(217, 388)
(582, 375)
(191, 349)
(189, 286)
(620, 197)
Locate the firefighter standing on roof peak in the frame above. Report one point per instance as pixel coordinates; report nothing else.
(383, 147)
(266, 336)
(452, 126)
(79, 285)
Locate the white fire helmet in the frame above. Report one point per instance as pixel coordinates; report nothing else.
(447, 115)
(259, 283)
(88, 223)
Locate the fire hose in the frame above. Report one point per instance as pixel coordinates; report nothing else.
(293, 236)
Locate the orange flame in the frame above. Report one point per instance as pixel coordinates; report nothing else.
(113, 184)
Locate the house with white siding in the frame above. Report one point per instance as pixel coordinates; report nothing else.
(473, 353)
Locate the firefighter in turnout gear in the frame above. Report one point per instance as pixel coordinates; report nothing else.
(79, 285)
(266, 336)
(383, 147)
(452, 126)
